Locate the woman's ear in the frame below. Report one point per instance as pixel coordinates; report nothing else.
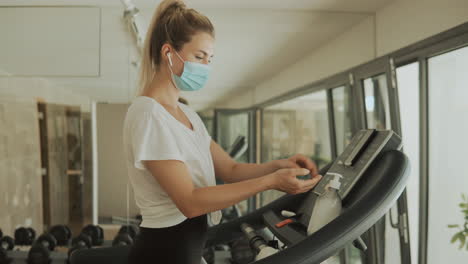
(166, 52)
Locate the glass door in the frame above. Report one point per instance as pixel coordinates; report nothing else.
(447, 81)
(376, 93)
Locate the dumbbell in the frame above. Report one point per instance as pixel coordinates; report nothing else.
(6, 244)
(139, 217)
(96, 233)
(91, 235)
(131, 230)
(40, 251)
(58, 235)
(82, 241)
(24, 236)
(61, 233)
(126, 235)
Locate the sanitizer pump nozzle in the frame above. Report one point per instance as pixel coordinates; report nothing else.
(335, 182)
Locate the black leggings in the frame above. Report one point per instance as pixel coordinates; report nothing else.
(179, 244)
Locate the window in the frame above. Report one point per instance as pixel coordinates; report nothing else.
(408, 90)
(376, 102)
(342, 117)
(448, 144)
(296, 126)
(231, 126)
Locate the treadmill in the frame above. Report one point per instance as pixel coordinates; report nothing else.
(373, 173)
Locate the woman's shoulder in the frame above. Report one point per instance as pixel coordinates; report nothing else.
(143, 106)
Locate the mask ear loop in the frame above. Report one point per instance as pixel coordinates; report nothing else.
(170, 69)
(169, 58)
(177, 53)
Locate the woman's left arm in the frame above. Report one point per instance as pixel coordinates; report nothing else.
(231, 171)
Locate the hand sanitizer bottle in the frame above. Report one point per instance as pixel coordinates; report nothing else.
(327, 207)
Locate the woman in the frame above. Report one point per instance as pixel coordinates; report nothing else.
(172, 161)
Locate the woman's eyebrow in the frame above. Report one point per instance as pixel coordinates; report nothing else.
(205, 53)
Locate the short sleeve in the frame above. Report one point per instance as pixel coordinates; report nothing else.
(152, 140)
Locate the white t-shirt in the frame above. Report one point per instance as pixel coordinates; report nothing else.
(152, 133)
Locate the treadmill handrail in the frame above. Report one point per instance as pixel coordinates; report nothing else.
(392, 168)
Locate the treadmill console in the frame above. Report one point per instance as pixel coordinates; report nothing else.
(363, 149)
(365, 146)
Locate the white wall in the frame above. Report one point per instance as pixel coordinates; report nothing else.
(407, 21)
(395, 26)
(335, 56)
(20, 165)
(112, 170)
(40, 89)
(50, 41)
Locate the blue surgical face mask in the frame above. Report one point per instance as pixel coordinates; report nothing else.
(194, 75)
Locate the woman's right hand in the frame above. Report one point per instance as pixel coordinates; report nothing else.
(286, 180)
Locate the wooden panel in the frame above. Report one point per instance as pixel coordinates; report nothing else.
(74, 166)
(41, 108)
(58, 161)
(87, 169)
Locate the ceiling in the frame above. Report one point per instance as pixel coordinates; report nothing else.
(369, 6)
(254, 41)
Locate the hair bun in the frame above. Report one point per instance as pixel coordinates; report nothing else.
(167, 4)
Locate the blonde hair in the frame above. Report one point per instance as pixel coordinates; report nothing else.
(172, 23)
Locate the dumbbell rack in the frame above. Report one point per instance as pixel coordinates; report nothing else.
(61, 247)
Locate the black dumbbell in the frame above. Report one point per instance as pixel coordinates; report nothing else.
(24, 236)
(80, 242)
(95, 232)
(91, 235)
(139, 217)
(123, 239)
(73, 249)
(62, 233)
(131, 230)
(40, 251)
(39, 254)
(69, 232)
(46, 240)
(83, 239)
(6, 244)
(101, 235)
(126, 235)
